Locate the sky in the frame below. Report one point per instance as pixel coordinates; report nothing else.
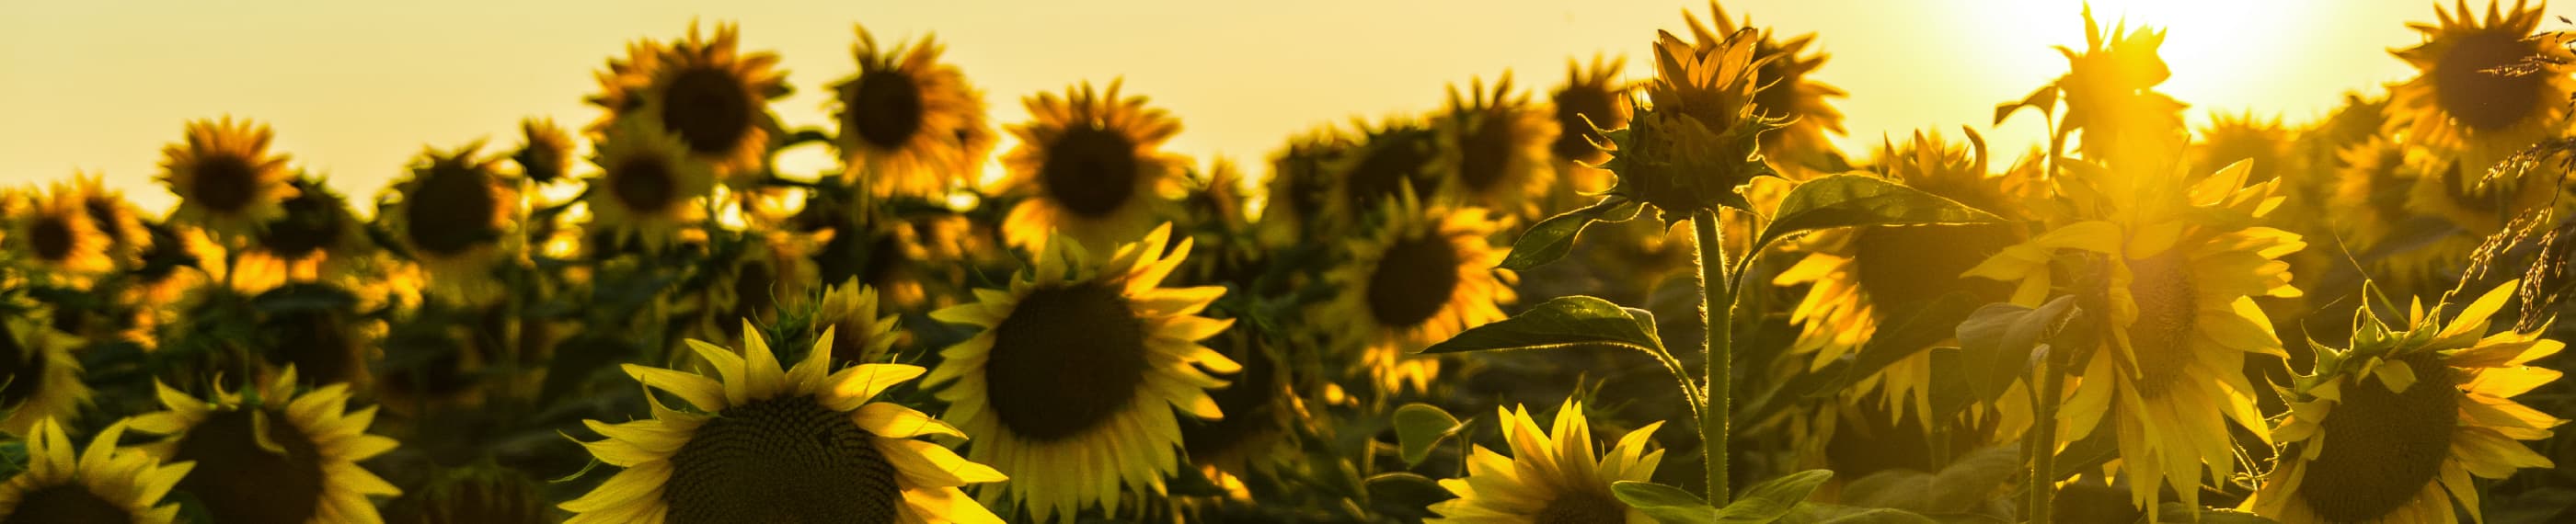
(355, 89)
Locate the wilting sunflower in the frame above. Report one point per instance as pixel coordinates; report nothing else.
(546, 156)
(52, 232)
(1800, 149)
(272, 455)
(1592, 100)
(1502, 147)
(66, 483)
(44, 380)
(779, 444)
(1092, 167)
(1072, 384)
(1864, 277)
(713, 97)
(910, 124)
(1395, 156)
(226, 180)
(2168, 270)
(2484, 90)
(1552, 476)
(1301, 181)
(2393, 429)
(456, 215)
(850, 311)
(317, 237)
(2231, 138)
(648, 188)
(1424, 276)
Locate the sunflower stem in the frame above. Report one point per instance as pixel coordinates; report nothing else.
(2042, 439)
(1717, 305)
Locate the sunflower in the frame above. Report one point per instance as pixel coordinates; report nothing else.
(1591, 101)
(2481, 207)
(1861, 278)
(2170, 275)
(1788, 90)
(272, 455)
(456, 215)
(772, 269)
(2394, 428)
(1553, 474)
(1301, 180)
(1072, 384)
(226, 180)
(713, 97)
(53, 233)
(1397, 155)
(910, 124)
(648, 189)
(1261, 409)
(317, 237)
(43, 379)
(2485, 90)
(850, 311)
(1502, 147)
(2109, 92)
(2231, 138)
(1091, 167)
(66, 483)
(317, 328)
(1423, 277)
(114, 217)
(546, 156)
(2370, 200)
(779, 444)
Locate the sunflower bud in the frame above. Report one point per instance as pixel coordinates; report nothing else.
(1695, 144)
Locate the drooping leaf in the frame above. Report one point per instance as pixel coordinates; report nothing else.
(1558, 323)
(1419, 427)
(1666, 504)
(1404, 495)
(1769, 500)
(1552, 238)
(1862, 200)
(1998, 343)
(1917, 330)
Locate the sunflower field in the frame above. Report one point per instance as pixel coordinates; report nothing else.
(1669, 299)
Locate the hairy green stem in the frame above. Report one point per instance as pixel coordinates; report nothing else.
(1717, 304)
(2042, 438)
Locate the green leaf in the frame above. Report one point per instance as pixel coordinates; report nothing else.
(1998, 343)
(1812, 513)
(1419, 427)
(1558, 323)
(2086, 454)
(2044, 100)
(1975, 479)
(1404, 495)
(1552, 238)
(1771, 499)
(1916, 329)
(1666, 504)
(1863, 200)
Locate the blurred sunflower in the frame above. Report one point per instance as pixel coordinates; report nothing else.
(271, 455)
(2109, 92)
(2231, 138)
(1257, 435)
(2372, 214)
(1301, 181)
(44, 380)
(317, 237)
(1788, 91)
(1502, 148)
(850, 311)
(53, 233)
(64, 482)
(1398, 155)
(648, 188)
(1863, 277)
(910, 124)
(546, 154)
(1072, 384)
(773, 269)
(779, 444)
(318, 330)
(2483, 91)
(482, 493)
(226, 180)
(1091, 167)
(712, 96)
(2169, 276)
(114, 217)
(1553, 475)
(1424, 276)
(1592, 100)
(456, 215)
(2393, 429)
(2481, 207)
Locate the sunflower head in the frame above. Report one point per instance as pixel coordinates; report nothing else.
(227, 181)
(1261, 408)
(1302, 182)
(1398, 156)
(1090, 166)
(53, 233)
(1553, 474)
(65, 482)
(114, 216)
(910, 124)
(318, 329)
(317, 237)
(649, 189)
(1423, 276)
(1075, 385)
(775, 443)
(2245, 137)
(850, 310)
(43, 377)
(2109, 91)
(712, 97)
(545, 156)
(455, 215)
(1695, 146)
(2484, 89)
(2394, 427)
(270, 454)
(1591, 102)
(1787, 92)
(1502, 146)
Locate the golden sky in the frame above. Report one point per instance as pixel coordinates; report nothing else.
(354, 89)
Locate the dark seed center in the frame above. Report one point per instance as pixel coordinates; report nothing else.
(1066, 360)
(1582, 507)
(1090, 170)
(65, 503)
(645, 184)
(52, 237)
(313, 222)
(709, 108)
(1487, 154)
(225, 183)
(24, 367)
(1413, 280)
(785, 459)
(2382, 447)
(1575, 136)
(884, 107)
(238, 480)
(316, 341)
(2168, 309)
(2483, 100)
(451, 212)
